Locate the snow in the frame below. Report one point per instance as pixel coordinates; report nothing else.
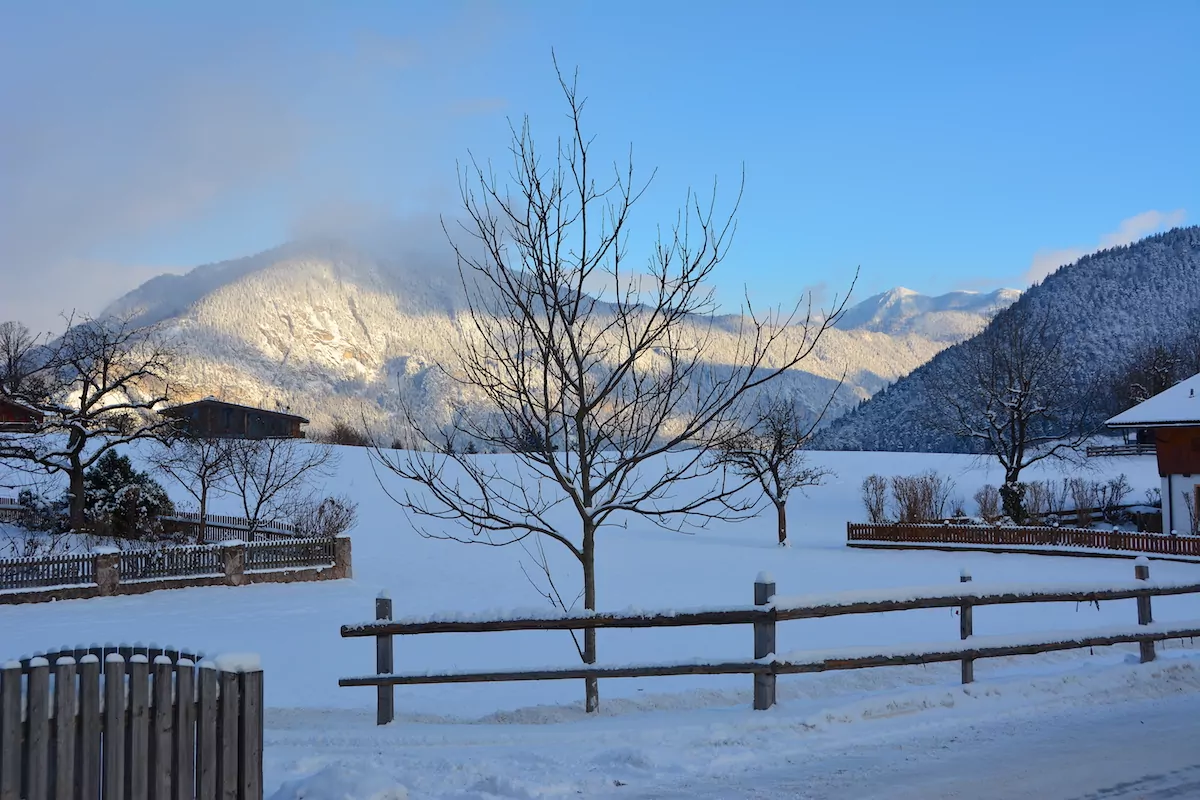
(239, 662)
(764, 577)
(1177, 405)
(34, 663)
(532, 739)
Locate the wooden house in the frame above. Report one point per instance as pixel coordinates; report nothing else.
(1174, 418)
(216, 419)
(16, 417)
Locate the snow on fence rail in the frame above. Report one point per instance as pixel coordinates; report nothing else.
(770, 609)
(868, 535)
(131, 722)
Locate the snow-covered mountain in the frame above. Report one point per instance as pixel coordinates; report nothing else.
(335, 331)
(947, 318)
(1108, 306)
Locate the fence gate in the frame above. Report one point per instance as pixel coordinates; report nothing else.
(131, 723)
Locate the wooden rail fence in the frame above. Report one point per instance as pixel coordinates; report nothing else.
(769, 609)
(1147, 449)
(131, 723)
(869, 534)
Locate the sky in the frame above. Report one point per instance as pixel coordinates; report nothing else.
(937, 146)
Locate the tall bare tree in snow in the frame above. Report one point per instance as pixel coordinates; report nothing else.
(1013, 396)
(607, 399)
(771, 451)
(99, 386)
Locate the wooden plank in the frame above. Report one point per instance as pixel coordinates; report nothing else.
(764, 645)
(933, 657)
(37, 731)
(184, 762)
(565, 673)
(206, 732)
(726, 617)
(88, 746)
(250, 736)
(385, 701)
(1004, 598)
(10, 731)
(1141, 572)
(65, 718)
(227, 735)
(138, 773)
(162, 735)
(114, 727)
(966, 629)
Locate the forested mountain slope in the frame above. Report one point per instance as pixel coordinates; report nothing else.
(1107, 306)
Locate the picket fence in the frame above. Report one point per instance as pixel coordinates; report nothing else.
(129, 722)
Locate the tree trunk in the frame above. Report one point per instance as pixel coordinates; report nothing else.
(781, 516)
(591, 685)
(203, 514)
(78, 521)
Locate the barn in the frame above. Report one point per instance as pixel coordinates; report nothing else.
(1174, 418)
(216, 419)
(16, 417)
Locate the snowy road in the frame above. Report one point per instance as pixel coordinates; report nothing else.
(1141, 750)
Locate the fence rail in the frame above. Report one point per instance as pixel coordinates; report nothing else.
(1147, 449)
(770, 609)
(127, 727)
(223, 526)
(1113, 541)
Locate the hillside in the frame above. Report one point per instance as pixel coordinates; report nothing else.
(335, 331)
(1110, 305)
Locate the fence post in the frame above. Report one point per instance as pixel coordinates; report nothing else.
(1141, 571)
(966, 629)
(342, 563)
(764, 643)
(385, 710)
(233, 561)
(10, 730)
(107, 566)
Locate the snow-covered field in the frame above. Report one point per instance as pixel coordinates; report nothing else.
(654, 736)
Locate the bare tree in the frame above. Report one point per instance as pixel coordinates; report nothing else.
(201, 465)
(1012, 394)
(272, 477)
(602, 382)
(771, 452)
(19, 362)
(104, 380)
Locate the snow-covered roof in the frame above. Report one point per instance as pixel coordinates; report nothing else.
(1177, 406)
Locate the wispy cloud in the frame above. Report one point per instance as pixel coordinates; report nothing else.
(1128, 230)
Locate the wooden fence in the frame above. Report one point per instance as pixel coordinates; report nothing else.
(131, 723)
(768, 609)
(218, 527)
(867, 534)
(109, 571)
(1147, 449)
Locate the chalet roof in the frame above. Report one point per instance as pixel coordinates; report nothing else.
(1178, 406)
(9, 401)
(214, 402)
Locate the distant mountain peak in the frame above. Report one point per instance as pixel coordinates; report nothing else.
(949, 317)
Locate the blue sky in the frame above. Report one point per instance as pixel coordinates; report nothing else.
(936, 145)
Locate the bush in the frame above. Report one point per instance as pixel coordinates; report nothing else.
(39, 514)
(344, 433)
(988, 501)
(874, 495)
(328, 518)
(123, 502)
(921, 498)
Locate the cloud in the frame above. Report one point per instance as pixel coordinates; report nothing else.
(129, 127)
(1129, 230)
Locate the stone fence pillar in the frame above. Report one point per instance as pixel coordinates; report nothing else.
(107, 566)
(233, 560)
(343, 566)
